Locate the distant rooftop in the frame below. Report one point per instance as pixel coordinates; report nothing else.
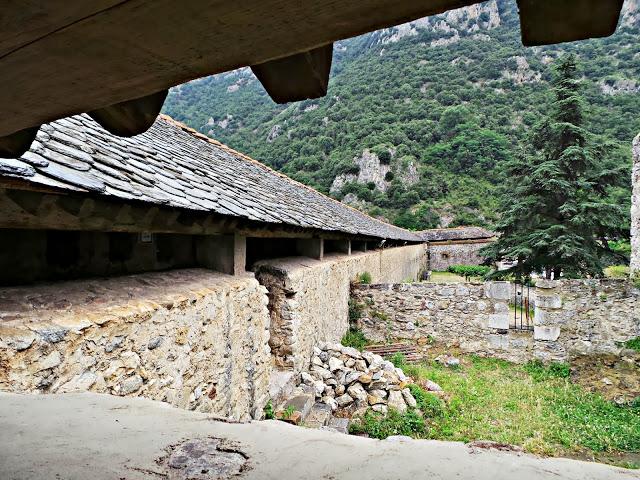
(174, 166)
(457, 233)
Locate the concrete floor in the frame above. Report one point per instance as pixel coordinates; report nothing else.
(90, 436)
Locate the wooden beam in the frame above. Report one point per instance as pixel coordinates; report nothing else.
(544, 22)
(15, 144)
(297, 77)
(132, 117)
(44, 209)
(66, 57)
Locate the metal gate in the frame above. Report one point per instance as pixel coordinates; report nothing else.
(522, 311)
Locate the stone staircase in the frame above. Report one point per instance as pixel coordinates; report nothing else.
(301, 409)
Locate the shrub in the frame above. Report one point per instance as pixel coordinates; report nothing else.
(364, 278)
(398, 359)
(355, 338)
(468, 271)
(269, 414)
(380, 426)
(355, 311)
(430, 405)
(617, 271)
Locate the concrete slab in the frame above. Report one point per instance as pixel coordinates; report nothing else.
(80, 436)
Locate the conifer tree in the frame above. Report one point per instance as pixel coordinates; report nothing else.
(556, 214)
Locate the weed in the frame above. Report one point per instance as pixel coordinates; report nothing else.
(430, 405)
(355, 310)
(364, 278)
(617, 271)
(355, 338)
(381, 426)
(380, 315)
(398, 359)
(287, 412)
(633, 344)
(269, 414)
(540, 372)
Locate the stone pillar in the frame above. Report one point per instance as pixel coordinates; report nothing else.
(500, 293)
(548, 303)
(310, 247)
(635, 209)
(223, 253)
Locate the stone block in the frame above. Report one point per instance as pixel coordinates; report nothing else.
(548, 301)
(499, 341)
(546, 284)
(498, 290)
(548, 334)
(499, 320)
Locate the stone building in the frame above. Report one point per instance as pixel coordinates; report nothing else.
(170, 266)
(635, 209)
(456, 246)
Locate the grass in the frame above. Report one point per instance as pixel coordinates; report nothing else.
(355, 338)
(377, 425)
(364, 278)
(533, 406)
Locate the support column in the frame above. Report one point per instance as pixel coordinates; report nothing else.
(310, 247)
(224, 253)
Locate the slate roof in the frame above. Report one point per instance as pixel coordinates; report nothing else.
(457, 233)
(176, 166)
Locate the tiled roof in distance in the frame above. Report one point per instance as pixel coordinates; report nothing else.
(457, 233)
(173, 165)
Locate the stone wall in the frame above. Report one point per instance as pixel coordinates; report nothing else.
(572, 317)
(444, 254)
(309, 298)
(193, 338)
(635, 209)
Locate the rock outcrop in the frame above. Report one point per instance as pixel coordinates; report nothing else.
(344, 378)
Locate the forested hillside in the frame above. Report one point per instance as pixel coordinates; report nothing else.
(420, 119)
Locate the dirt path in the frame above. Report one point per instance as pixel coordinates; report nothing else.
(80, 436)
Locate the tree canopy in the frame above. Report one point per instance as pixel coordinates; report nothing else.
(557, 215)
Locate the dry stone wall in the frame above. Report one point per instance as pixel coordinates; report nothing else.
(195, 339)
(572, 317)
(635, 210)
(443, 255)
(309, 298)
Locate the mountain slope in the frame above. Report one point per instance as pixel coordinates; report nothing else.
(420, 117)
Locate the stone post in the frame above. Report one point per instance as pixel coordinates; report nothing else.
(635, 209)
(310, 247)
(548, 303)
(500, 293)
(223, 253)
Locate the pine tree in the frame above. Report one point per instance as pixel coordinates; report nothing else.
(556, 214)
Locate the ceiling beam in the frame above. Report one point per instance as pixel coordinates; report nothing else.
(545, 22)
(130, 118)
(297, 77)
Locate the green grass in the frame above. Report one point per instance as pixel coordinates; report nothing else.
(355, 338)
(364, 278)
(377, 425)
(633, 344)
(533, 406)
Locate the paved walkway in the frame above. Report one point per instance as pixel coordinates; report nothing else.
(90, 436)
